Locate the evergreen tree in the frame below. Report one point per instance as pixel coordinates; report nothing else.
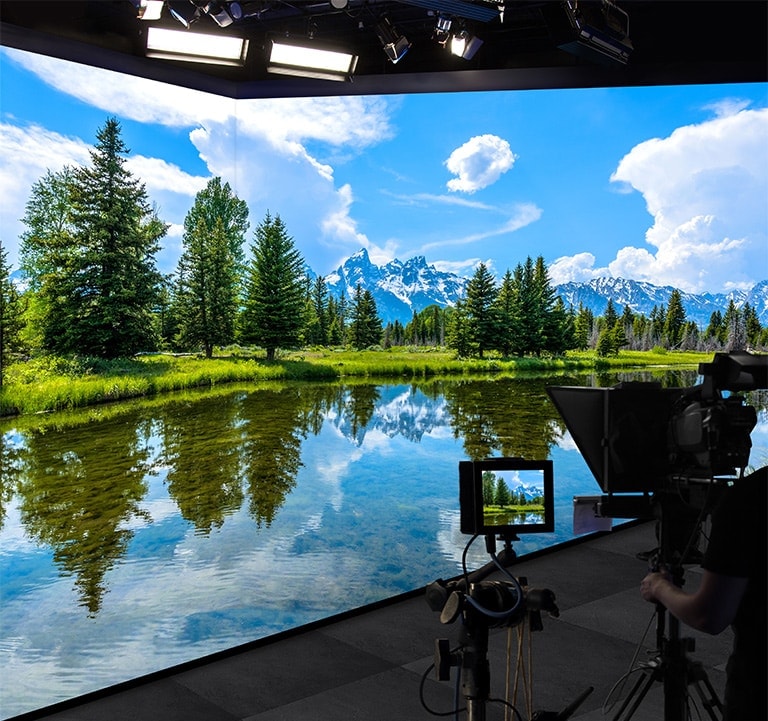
(550, 316)
(610, 316)
(480, 298)
(674, 320)
(734, 328)
(365, 326)
(47, 250)
(108, 296)
(752, 327)
(583, 323)
(503, 494)
(210, 267)
(318, 323)
(274, 299)
(529, 331)
(458, 334)
(10, 316)
(715, 329)
(506, 309)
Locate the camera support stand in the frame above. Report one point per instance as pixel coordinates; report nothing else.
(677, 672)
(672, 666)
(470, 598)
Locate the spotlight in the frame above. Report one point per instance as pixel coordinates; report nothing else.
(223, 14)
(395, 45)
(309, 60)
(597, 32)
(149, 9)
(184, 12)
(442, 33)
(465, 45)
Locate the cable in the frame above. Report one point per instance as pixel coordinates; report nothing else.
(456, 710)
(620, 683)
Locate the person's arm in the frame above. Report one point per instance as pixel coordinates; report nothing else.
(711, 608)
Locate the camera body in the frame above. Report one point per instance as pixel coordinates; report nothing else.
(638, 437)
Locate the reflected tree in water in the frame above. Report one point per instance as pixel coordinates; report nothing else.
(271, 437)
(10, 460)
(506, 417)
(79, 494)
(203, 460)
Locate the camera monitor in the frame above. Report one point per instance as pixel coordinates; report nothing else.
(506, 496)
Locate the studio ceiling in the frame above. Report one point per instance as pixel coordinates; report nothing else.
(673, 43)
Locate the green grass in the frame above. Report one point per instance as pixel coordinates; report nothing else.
(55, 384)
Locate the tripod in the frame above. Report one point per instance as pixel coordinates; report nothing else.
(677, 672)
(672, 666)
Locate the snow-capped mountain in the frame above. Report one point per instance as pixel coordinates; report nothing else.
(402, 287)
(399, 287)
(641, 297)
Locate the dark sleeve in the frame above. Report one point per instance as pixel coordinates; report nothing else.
(737, 539)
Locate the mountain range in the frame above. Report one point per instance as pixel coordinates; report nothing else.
(402, 287)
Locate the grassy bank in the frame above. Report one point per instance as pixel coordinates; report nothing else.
(53, 384)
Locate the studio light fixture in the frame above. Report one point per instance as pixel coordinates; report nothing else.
(195, 47)
(309, 60)
(224, 14)
(149, 9)
(465, 45)
(442, 32)
(394, 43)
(598, 33)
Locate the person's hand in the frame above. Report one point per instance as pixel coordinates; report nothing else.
(649, 586)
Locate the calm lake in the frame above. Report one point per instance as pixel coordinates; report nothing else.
(140, 536)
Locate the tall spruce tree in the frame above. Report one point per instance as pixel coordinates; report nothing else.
(480, 308)
(210, 268)
(10, 316)
(102, 288)
(273, 316)
(674, 320)
(46, 251)
(365, 327)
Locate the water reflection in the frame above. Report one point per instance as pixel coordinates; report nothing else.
(185, 526)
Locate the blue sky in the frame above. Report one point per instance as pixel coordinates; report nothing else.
(667, 184)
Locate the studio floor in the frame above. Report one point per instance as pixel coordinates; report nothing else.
(368, 665)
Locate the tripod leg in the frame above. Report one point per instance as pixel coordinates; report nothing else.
(636, 695)
(709, 700)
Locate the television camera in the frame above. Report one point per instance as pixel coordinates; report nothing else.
(668, 454)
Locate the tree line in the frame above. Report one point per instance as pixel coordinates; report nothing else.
(92, 287)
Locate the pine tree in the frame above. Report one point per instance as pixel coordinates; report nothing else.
(506, 309)
(318, 322)
(583, 323)
(108, 296)
(210, 267)
(458, 332)
(10, 316)
(674, 320)
(274, 302)
(365, 326)
(480, 298)
(47, 250)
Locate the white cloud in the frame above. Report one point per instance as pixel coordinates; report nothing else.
(577, 268)
(461, 267)
(26, 153)
(522, 215)
(705, 186)
(264, 148)
(480, 162)
(160, 175)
